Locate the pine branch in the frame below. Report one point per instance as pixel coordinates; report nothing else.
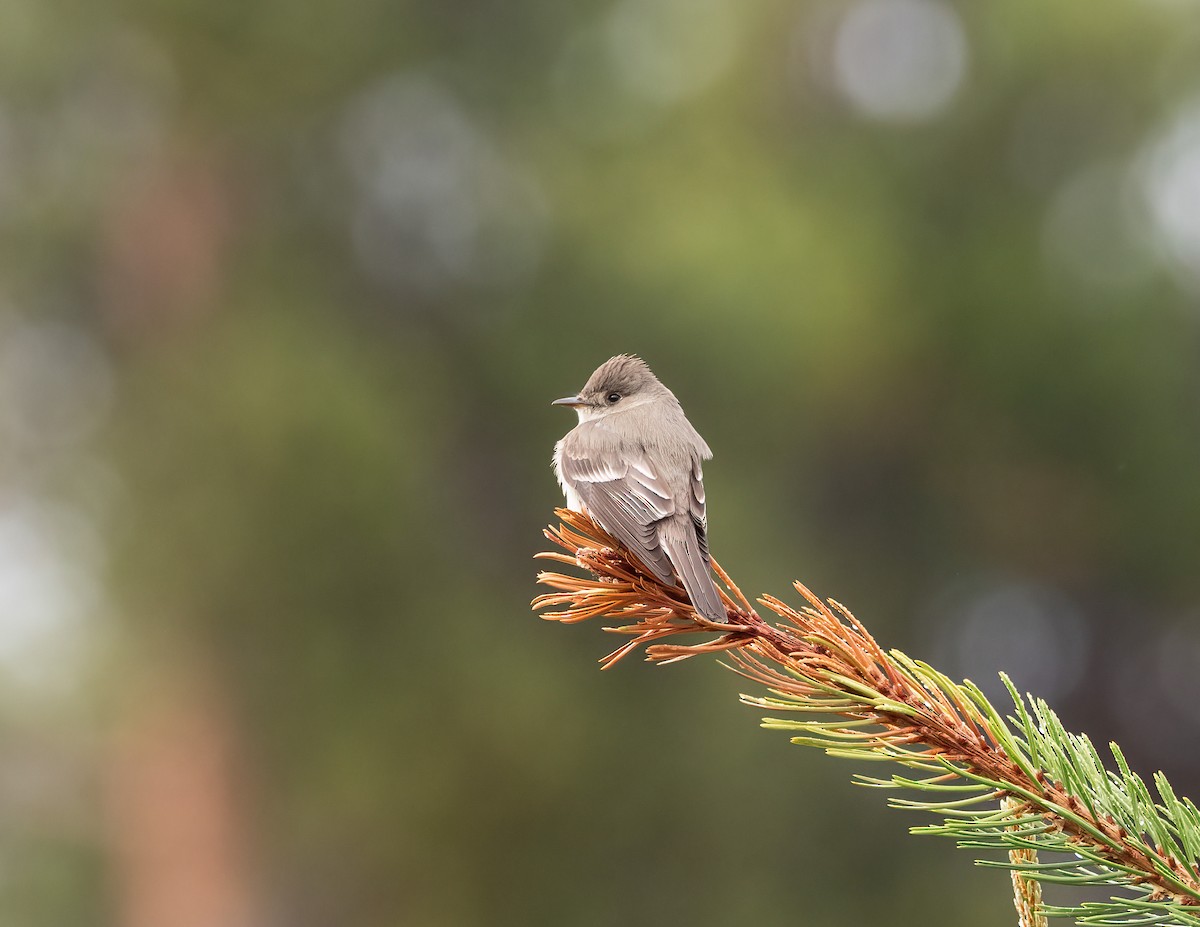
(1018, 787)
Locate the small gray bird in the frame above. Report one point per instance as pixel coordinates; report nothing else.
(633, 464)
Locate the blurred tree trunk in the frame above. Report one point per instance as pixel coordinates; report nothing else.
(178, 841)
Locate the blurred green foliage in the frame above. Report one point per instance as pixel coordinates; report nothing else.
(337, 259)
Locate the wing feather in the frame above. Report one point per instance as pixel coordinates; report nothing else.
(628, 501)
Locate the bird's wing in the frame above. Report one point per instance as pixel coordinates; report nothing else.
(685, 541)
(696, 506)
(626, 496)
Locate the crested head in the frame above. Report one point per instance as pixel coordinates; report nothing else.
(617, 384)
(625, 374)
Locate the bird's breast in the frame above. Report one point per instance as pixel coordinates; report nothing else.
(574, 503)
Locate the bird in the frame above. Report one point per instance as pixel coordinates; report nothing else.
(633, 464)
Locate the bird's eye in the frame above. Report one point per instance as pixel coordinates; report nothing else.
(613, 397)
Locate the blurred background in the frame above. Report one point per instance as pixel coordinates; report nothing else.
(285, 292)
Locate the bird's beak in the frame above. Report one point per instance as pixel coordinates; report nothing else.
(572, 401)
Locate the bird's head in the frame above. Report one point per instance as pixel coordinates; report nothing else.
(617, 384)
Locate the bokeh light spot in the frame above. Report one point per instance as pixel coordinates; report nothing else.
(1094, 230)
(899, 60)
(47, 584)
(1031, 631)
(437, 203)
(56, 385)
(669, 50)
(1170, 173)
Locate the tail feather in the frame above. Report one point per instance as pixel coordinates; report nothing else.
(686, 550)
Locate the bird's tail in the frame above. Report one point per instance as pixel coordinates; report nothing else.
(688, 555)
